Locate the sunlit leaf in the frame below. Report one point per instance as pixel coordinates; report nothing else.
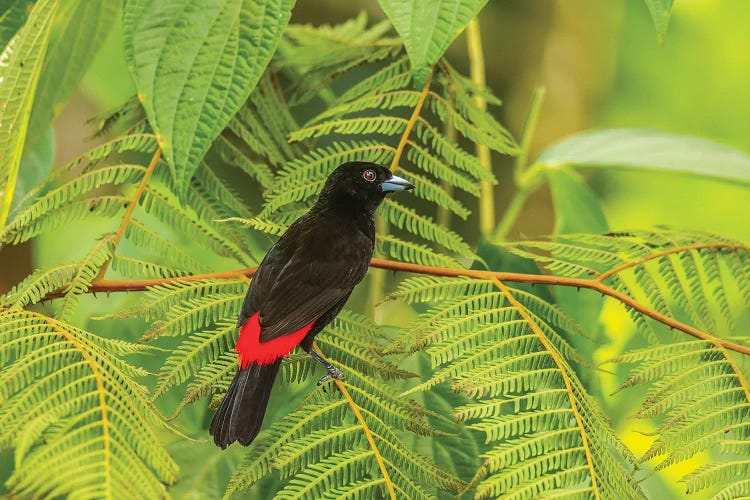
(78, 31)
(428, 27)
(194, 64)
(12, 17)
(660, 12)
(642, 149)
(22, 63)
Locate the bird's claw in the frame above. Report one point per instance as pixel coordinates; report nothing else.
(333, 372)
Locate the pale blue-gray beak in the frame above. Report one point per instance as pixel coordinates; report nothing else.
(396, 184)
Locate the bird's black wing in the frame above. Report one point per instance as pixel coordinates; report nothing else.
(301, 278)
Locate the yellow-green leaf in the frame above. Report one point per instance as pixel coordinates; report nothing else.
(22, 60)
(78, 31)
(12, 16)
(660, 12)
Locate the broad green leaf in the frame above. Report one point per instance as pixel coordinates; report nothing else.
(194, 64)
(660, 11)
(12, 17)
(428, 27)
(577, 210)
(641, 149)
(22, 63)
(78, 32)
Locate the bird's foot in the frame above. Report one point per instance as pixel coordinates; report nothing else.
(333, 373)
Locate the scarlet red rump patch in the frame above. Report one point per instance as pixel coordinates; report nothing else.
(252, 351)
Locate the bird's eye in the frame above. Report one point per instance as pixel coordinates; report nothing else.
(369, 175)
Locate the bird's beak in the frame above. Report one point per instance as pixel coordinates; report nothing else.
(396, 184)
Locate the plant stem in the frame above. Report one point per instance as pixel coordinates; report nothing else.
(444, 215)
(511, 213)
(526, 180)
(410, 124)
(476, 61)
(131, 208)
(527, 134)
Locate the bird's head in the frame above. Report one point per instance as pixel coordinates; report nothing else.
(360, 183)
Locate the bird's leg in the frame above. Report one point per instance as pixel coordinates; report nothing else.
(333, 372)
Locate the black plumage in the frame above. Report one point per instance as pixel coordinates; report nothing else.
(304, 280)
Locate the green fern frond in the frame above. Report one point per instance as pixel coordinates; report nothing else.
(673, 272)
(87, 270)
(124, 116)
(210, 379)
(213, 187)
(433, 192)
(546, 436)
(704, 403)
(137, 268)
(165, 208)
(72, 391)
(325, 73)
(78, 186)
(310, 460)
(411, 252)
(203, 348)
(317, 55)
(226, 149)
(37, 285)
(64, 203)
(434, 289)
(394, 75)
(151, 242)
(108, 206)
(266, 226)
(194, 314)
(159, 301)
(422, 225)
(90, 160)
(428, 163)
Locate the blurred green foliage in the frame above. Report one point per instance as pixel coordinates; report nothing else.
(603, 67)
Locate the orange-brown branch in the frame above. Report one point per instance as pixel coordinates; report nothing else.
(656, 255)
(106, 286)
(410, 125)
(131, 208)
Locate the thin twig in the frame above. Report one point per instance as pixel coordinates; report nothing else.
(410, 124)
(131, 208)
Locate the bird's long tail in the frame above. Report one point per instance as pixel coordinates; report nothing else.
(241, 412)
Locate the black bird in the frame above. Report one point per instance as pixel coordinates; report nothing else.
(302, 283)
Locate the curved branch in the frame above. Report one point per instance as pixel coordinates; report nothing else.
(107, 286)
(678, 249)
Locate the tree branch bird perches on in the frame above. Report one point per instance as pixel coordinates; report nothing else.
(300, 286)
